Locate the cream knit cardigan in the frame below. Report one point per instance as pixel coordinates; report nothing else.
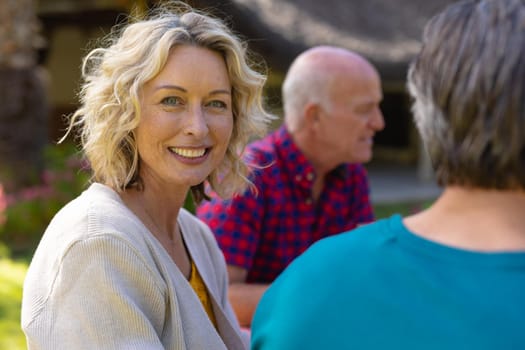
(100, 280)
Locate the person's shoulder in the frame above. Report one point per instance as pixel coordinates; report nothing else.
(370, 233)
(352, 253)
(261, 150)
(96, 210)
(96, 215)
(362, 241)
(77, 210)
(108, 211)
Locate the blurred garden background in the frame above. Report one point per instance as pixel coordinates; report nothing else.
(41, 46)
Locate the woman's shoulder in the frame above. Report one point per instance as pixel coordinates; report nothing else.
(96, 212)
(98, 208)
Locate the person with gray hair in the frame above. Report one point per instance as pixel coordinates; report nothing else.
(167, 103)
(452, 276)
(308, 174)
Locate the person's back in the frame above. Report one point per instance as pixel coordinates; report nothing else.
(452, 276)
(398, 291)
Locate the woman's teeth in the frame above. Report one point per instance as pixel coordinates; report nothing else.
(189, 152)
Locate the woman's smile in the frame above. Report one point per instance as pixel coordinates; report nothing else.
(189, 152)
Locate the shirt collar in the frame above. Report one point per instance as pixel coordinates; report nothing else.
(294, 161)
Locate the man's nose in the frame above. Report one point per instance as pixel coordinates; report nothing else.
(377, 122)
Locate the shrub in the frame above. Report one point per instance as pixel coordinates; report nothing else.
(26, 214)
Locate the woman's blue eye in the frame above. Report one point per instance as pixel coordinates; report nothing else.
(217, 104)
(171, 100)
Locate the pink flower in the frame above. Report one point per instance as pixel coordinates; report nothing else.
(3, 205)
(36, 192)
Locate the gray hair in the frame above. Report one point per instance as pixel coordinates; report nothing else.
(303, 85)
(136, 53)
(468, 85)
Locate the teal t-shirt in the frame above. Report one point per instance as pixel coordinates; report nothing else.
(382, 287)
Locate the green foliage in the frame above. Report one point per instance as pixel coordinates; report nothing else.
(30, 210)
(11, 280)
(189, 203)
(385, 210)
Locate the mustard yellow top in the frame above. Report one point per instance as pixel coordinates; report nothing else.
(199, 287)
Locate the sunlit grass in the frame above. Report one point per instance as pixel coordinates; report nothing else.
(11, 279)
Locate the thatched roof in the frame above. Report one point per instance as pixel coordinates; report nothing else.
(387, 32)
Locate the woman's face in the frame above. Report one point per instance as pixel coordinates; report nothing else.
(187, 118)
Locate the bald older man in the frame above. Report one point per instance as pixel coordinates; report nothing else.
(308, 175)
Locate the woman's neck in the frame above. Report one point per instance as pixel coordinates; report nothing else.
(158, 211)
(157, 208)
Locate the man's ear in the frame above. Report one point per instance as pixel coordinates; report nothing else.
(312, 115)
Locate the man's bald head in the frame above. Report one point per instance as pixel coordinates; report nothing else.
(315, 73)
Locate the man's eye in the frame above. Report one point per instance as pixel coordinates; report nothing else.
(217, 104)
(171, 101)
(365, 109)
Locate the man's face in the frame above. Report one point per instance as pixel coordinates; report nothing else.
(348, 126)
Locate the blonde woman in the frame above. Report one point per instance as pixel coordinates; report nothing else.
(169, 103)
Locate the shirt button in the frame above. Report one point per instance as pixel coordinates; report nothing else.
(310, 176)
(298, 177)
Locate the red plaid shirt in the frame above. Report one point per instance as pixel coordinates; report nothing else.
(264, 232)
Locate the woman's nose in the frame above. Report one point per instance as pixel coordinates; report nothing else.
(196, 123)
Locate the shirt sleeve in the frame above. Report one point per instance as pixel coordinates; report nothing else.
(104, 296)
(236, 223)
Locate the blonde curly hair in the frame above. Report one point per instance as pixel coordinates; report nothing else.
(135, 53)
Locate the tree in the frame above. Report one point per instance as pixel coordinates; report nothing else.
(23, 100)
